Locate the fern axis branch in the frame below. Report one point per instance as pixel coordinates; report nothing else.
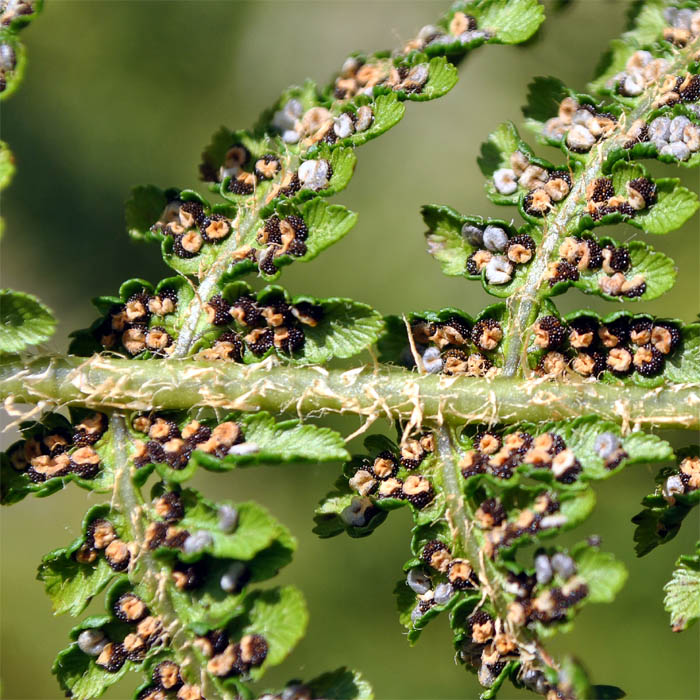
(311, 391)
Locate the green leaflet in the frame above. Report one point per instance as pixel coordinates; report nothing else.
(7, 165)
(327, 224)
(442, 78)
(684, 366)
(110, 331)
(262, 440)
(341, 684)
(344, 328)
(514, 21)
(543, 97)
(682, 599)
(582, 433)
(280, 615)
(287, 441)
(255, 530)
(333, 515)
(24, 320)
(70, 584)
(388, 112)
(347, 329)
(452, 249)
(667, 507)
(509, 671)
(674, 207)
(78, 675)
(406, 602)
(573, 678)
(614, 62)
(17, 483)
(657, 270)
(648, 24)
(14, 53)
(604, 575)
(209, 606)
(347, 509)
(143, 208)
(496, 153)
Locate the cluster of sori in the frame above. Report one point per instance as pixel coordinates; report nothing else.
(446, 576)
(581, 255)
(168, 444)
(8, 64)
(166, 683)
(264, 326)
(227, 658)
(581, 124)
(52, 453)
(487, 646)
(544, 187)
(588, 347)
(191, 226)
(547, 596)
(501, 533)
(319, 125)
(147, 632)
(601, 198)
(101, 538)
(446, 346)
(387, 476)
(463, 28)
(495, 252)
(685, 481)
(165, 532)
(312, 174)
(642, 70)
(677, 137)
(278, 236)
(683, 25)
(131, 325)
(360, 77)
(501, 455)
(13, 9)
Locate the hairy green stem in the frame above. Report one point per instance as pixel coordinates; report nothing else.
(524, 303)
(461, 519)
(148, 571)
(371, 392)
(194, 318)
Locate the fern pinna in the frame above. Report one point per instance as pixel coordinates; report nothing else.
(501, 422)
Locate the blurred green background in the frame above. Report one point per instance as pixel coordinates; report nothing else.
(126, 93)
